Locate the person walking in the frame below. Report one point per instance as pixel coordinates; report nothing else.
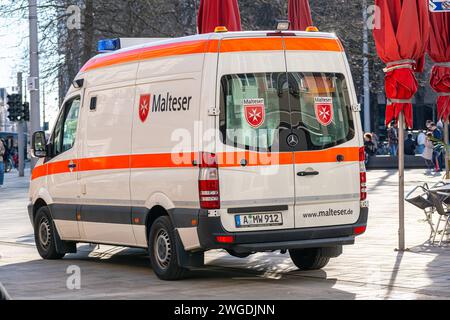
(2, 162)
(375, 141)
(421, 138)
(437, 153)
(393, 139)
(427, 153)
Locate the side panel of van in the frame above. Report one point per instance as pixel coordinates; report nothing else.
(260, 180)
(165, 137)
(104, 165)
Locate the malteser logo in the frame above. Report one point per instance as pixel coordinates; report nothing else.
(144, 107)
(162, 103)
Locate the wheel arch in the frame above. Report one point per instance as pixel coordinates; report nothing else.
(153, 214)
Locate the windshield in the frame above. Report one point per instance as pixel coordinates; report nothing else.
(259, 110)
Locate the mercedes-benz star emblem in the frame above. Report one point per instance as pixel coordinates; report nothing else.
(292, 140)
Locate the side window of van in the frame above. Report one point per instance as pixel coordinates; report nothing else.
(63, 138)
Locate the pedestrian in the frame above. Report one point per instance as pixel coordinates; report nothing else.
(421, 138)
(375, 141)
(438, 152)
(427, 153)
(15, 158)
(393, 139)
(410, 146)
(369, 146)
(2, 162)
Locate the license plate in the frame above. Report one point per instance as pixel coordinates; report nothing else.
(259, 220)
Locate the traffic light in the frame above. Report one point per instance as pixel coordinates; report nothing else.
(18, 111)
(14, 107)
(26, 112)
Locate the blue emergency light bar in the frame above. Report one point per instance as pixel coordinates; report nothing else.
(108, 45)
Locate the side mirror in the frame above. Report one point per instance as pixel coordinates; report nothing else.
(39, 145)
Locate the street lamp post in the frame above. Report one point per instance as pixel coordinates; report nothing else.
(33, 83)
(20, 131)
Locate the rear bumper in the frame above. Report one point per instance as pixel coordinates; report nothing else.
(209, 228)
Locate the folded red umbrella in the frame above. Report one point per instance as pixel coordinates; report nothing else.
(299, 14)
(215, 13)
(401, 42)
(439, 51)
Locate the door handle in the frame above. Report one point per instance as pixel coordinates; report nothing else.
(307, 173)
(72, 166)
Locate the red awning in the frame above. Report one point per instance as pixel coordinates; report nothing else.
(215, 13)
(401, 42)
(439, 51)
(299, 14)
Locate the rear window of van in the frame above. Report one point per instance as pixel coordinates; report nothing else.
(258, 110)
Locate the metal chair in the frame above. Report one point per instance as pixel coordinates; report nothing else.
(438, 200)
(423, 202)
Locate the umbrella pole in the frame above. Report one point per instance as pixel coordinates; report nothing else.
(446, 138)
(401, 182)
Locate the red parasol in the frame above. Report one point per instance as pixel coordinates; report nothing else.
(439, 51)
(299, 14)
(214, 13)
(401, 42)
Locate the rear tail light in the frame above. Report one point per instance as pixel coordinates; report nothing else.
(362, 175)
(208, 182)
(359, 230)
(225, 239)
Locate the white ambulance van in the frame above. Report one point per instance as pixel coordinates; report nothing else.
(243, 141)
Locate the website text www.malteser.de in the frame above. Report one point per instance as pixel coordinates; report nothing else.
(329, 213)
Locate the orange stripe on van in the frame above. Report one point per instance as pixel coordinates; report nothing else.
(212, 46)
(314, 44)
(172, 160)
(38, 172)
(104, 163)
(165, 160)
(164, 50)
(326, 156)
(246, 44)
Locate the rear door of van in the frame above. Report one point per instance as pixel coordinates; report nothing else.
(327, 169)
(257, 185)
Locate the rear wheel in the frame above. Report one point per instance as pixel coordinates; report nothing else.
(309, 259)
(45, 235)
(163, 250)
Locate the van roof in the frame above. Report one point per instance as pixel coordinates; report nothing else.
(208, 43)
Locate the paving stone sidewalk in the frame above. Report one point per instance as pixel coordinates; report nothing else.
(371, 269)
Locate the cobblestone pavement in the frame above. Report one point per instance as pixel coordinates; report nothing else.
(371, 269)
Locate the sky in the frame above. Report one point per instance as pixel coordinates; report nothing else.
(13, 46)
(14, 58)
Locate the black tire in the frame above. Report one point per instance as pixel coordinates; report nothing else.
(162, 250)
(45, 235)
(309, 259)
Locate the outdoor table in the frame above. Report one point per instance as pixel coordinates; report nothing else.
(442, 190)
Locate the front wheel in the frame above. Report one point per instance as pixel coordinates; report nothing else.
(163, 250)
(45, 235)
(309, 259)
